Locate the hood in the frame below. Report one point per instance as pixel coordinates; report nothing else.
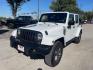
(42, 26)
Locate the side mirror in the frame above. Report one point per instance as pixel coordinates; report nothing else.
(71, 23)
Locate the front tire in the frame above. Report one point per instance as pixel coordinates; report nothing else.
(54, 57)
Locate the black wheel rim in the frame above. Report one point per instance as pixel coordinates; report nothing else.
(57, 56)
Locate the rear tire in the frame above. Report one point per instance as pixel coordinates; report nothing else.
(78, 39)
(54, 57)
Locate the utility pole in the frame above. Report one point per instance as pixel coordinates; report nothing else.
(38, 10)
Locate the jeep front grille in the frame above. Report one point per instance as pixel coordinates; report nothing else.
(28, 35)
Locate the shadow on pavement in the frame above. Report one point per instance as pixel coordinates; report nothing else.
(3, 31)
(33, 56)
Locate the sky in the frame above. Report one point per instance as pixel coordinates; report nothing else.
(86, 5)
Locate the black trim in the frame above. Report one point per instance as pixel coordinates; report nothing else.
(39, 49)
(30, 47)
(70, 41)
(13, 42)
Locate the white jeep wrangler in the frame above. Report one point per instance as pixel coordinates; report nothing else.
(53, 32)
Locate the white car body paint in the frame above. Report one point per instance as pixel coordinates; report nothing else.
(78, 31)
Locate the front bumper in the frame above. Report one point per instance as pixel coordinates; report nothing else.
(32, 48)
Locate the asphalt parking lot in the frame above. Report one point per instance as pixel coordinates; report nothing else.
(75, 56)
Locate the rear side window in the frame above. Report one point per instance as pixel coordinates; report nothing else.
(76, 18)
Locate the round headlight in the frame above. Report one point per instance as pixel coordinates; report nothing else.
(39, 36)
(18, 31)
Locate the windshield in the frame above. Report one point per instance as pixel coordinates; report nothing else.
(54, 17)
(24, 18)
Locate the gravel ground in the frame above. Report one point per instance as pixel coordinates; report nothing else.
(75, 56)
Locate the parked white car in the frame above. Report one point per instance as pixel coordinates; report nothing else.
(49, 36)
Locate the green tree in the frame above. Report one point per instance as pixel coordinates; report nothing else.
(64, 5)
(15, 5)
(2, 18)
(88, 15)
